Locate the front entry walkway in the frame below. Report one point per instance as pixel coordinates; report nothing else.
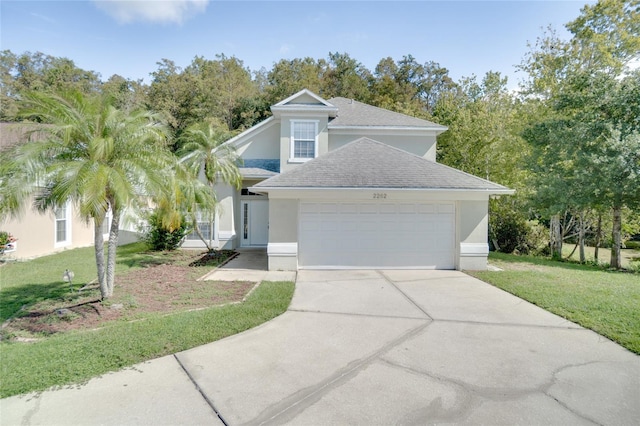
(371, 348)
(251, 264)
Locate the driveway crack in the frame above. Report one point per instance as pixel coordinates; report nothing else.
(354, 314)
(199, 389)
(406, 296)
(474, 395)
(290, 407)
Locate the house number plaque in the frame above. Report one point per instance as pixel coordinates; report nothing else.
(379, 195)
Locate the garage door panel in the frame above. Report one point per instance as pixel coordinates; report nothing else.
(377, 235)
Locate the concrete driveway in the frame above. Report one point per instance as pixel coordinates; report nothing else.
(371, 347)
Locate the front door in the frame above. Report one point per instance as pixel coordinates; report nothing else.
(255, 223)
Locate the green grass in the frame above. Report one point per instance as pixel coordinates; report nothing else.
(77, 356)
(74, 357)
(627, 256)
(607, 302)
(37, 280)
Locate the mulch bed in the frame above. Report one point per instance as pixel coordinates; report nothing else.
(168, 287)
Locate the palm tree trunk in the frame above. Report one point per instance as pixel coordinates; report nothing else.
(616, 237)
(98, 244)
(196, 228)
(111, 253)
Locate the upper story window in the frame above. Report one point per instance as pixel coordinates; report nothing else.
(304, 140)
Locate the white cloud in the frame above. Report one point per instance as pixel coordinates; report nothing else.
(284, 49)
(162, 11)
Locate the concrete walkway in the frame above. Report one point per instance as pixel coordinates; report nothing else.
(250, 264)
(371, 348)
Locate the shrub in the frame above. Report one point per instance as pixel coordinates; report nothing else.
(508, 230)
(635, 245)
(158, 238)
(537, 239)
(512, 232)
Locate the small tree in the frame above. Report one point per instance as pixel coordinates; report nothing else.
(205, 154)
(92, 155)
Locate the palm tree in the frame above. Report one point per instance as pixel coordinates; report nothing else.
(205, 153)
(92, 155)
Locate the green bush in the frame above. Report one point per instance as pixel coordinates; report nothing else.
(635, 245)
(507, 229)
(158, 238)
(510, 231)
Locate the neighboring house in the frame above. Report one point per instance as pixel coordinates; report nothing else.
(340, 184)
(39, 234)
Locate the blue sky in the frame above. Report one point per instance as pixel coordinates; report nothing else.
(129, 37)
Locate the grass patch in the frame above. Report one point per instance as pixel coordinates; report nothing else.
(77, 356)
(604, 301)
(79, 337)
(38, 280)
(630, 258)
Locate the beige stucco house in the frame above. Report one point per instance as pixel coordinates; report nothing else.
(340, 184)
(37, 233)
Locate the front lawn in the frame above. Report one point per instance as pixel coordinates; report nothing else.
(159, 308)
(607, 302)
(628, 257)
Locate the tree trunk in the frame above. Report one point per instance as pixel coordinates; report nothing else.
(616, 234)
(581, 238)
(98, 244)
(598, 237)
(555, 237)
(196, 228)
(573, 251)
(111, 253)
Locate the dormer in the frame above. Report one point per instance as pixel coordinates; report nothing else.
(304, 118)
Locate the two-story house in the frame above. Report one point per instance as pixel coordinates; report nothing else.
(341, 184)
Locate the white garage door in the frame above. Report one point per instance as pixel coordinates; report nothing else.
(376, 235)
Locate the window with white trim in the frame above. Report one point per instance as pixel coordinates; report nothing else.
(304, 140)
(205, 226)
(106, 224)
(63, 225)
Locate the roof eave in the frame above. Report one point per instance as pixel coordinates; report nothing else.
(505, 191)
(234, 140)
(298, 108)
(438, 129)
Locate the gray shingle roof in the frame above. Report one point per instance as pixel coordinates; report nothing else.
(255, 172)
(365, 163)
(354, 113)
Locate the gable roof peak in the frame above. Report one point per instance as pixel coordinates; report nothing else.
(305, 101)
(300, 94)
